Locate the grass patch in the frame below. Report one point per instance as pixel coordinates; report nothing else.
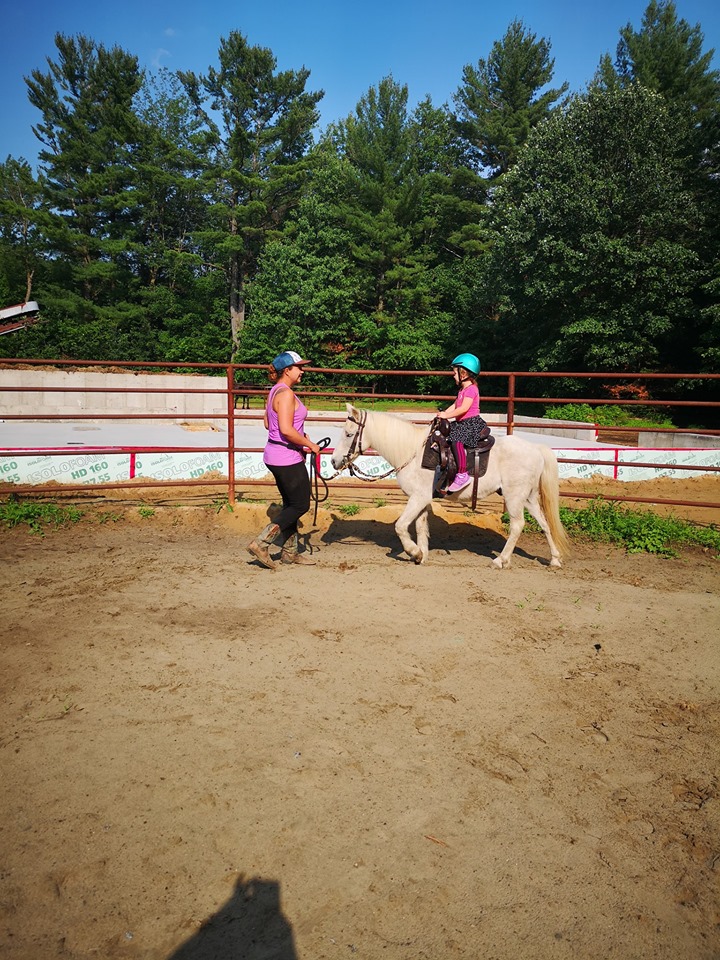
(222, 503)
(14, 513)
(146, 512)
(609, 416)
(349, 509)
(638, 531)
(109, 518)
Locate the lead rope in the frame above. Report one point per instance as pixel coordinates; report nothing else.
(316, 478)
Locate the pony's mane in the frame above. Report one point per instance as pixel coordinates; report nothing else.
(395, 438)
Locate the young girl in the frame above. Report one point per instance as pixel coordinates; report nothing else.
(465, 431)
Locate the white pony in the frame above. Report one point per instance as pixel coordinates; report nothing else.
(525, 473)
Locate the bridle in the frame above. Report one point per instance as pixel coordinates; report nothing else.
(355, 450)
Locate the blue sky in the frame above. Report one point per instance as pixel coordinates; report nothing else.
(348, 47)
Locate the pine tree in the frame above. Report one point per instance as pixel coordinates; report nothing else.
(500, 102)
(183, 295)
(21, 217)
(259, 157)
(89, 133)
(666, 55)
(398, 215)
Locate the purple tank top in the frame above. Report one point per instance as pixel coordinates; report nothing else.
(278, 451)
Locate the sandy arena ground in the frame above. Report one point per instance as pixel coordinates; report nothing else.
(206, 760)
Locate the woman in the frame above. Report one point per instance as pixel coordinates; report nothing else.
(284, 457)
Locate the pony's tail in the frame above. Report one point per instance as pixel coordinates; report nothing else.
(550, 500)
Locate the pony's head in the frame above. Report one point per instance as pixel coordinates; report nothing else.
(350, 443)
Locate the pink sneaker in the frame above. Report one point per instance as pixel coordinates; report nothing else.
(460, 481)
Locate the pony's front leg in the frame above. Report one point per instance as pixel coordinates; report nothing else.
(422, 533)
(414, 512)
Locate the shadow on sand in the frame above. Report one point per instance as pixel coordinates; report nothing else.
(250, 926)
(444, 536)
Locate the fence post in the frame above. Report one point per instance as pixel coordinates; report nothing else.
(231, 433)
(511, 403)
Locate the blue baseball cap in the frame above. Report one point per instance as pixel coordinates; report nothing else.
(287, 359)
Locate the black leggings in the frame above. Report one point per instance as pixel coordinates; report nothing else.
(293, 483)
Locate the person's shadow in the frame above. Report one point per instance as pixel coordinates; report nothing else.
(250, 926)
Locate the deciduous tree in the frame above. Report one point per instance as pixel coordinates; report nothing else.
(592, 255)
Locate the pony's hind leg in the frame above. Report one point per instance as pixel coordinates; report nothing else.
(414, 512)
(517, 522)
(537, 512)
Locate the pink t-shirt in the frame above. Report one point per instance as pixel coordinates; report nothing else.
(278, 451)
(473, 393)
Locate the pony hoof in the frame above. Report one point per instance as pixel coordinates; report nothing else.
(420, 558)
(501, 564)
(555, 563)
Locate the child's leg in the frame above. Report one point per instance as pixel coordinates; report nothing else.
(460, 456)
(461, 478)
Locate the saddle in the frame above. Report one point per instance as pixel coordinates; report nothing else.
(439, 455)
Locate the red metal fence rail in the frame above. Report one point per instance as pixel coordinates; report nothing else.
(232, 390)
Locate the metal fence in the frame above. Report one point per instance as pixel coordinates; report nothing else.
(238, 387)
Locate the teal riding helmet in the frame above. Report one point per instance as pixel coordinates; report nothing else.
(467, 360)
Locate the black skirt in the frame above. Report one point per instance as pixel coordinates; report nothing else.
(467, 431)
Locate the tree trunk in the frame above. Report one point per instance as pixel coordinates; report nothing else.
(237, 305)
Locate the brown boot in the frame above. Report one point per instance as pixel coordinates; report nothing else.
(290, 552)
(259, 546)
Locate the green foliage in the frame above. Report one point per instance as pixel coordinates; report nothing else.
(22, 217)
(500, 102)
(349, 509)
(146, 512)
(89, 131)
(666, 55)
(190, 217)
(639, 531)
(608, 415)
(259, 123)
(592, 258)
(222, 503)
(14, 512)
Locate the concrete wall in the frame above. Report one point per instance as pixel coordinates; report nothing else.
(73, 398)
(693, 441)
(40, 401)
